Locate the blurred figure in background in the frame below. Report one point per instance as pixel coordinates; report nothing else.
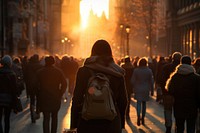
(168, 68)
(32, 67)
(8, 92)
(128, 67)
(160, 64)
(17, 67)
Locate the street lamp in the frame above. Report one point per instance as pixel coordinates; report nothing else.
(122, 48)
(127, 33)
(63, 43)
(68, 46)
(148, 45)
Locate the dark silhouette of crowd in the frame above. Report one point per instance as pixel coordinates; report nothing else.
(32, 74)
(174, 80)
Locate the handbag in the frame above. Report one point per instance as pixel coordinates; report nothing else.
(18, 105)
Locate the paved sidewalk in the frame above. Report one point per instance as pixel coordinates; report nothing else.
(154, 122)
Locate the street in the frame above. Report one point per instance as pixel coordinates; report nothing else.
(154, 122)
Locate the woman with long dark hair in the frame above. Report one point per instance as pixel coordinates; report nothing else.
(101, 61)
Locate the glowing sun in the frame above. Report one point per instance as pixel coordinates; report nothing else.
(97, 6)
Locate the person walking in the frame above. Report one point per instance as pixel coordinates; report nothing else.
(8, 93)
(32, 67)
(167, 99)
(51, 86)
(101, 60)
(128, 67)
(184, 86)
(142, 82)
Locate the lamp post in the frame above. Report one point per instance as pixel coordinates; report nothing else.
(148, 46)
(122, 48)
(127, 37)
(63, 43)
(68, 46)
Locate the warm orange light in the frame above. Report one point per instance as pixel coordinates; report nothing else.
(97, 6)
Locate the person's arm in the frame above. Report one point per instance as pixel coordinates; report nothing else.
(63, 83)
(122, 101)
(198, 93)
(78, 97)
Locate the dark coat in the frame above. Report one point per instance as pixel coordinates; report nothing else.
(117, 84)
(30, 75)
(52, 84)
(166, 71)
(184, 85)
(128, 67)
(7, 87)
(142, 81)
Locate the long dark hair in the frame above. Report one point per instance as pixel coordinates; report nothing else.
(102, 50)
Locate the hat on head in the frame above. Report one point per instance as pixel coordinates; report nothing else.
(49, 60)
(6, 60)
(186, 60)
(101, 48)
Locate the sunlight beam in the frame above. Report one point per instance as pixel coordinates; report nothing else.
(97, 6)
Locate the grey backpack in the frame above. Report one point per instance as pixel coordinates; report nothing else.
(98, 101)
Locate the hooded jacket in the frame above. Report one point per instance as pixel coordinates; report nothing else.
(117, 84)
(184, 85)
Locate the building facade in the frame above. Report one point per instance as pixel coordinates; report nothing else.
(30, 26)
(183, 27)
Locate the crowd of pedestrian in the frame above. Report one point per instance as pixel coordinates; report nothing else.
(49, 79)
(45, 80)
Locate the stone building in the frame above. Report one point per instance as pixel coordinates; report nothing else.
(183, 27)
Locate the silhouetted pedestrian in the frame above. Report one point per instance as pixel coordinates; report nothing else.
(128, 67)
(184, 86)
(167, 99)
(8, 92)
(51, 86)
(32, 67)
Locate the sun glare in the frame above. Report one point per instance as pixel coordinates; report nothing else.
(97, 6)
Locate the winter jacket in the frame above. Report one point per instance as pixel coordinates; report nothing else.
(142, 82)
(128, 67)
(8, 91)
(30, 75)
(117, 85)
(166, 71)
(51, 86)
(184, 86)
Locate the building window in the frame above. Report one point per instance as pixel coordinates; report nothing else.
(190, 43)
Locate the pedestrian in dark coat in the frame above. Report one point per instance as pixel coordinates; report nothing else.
(128, 67)
(8, 92)
(166, 71)
(51, 87)
(101, 60)
(184, 86)
(30, 74)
